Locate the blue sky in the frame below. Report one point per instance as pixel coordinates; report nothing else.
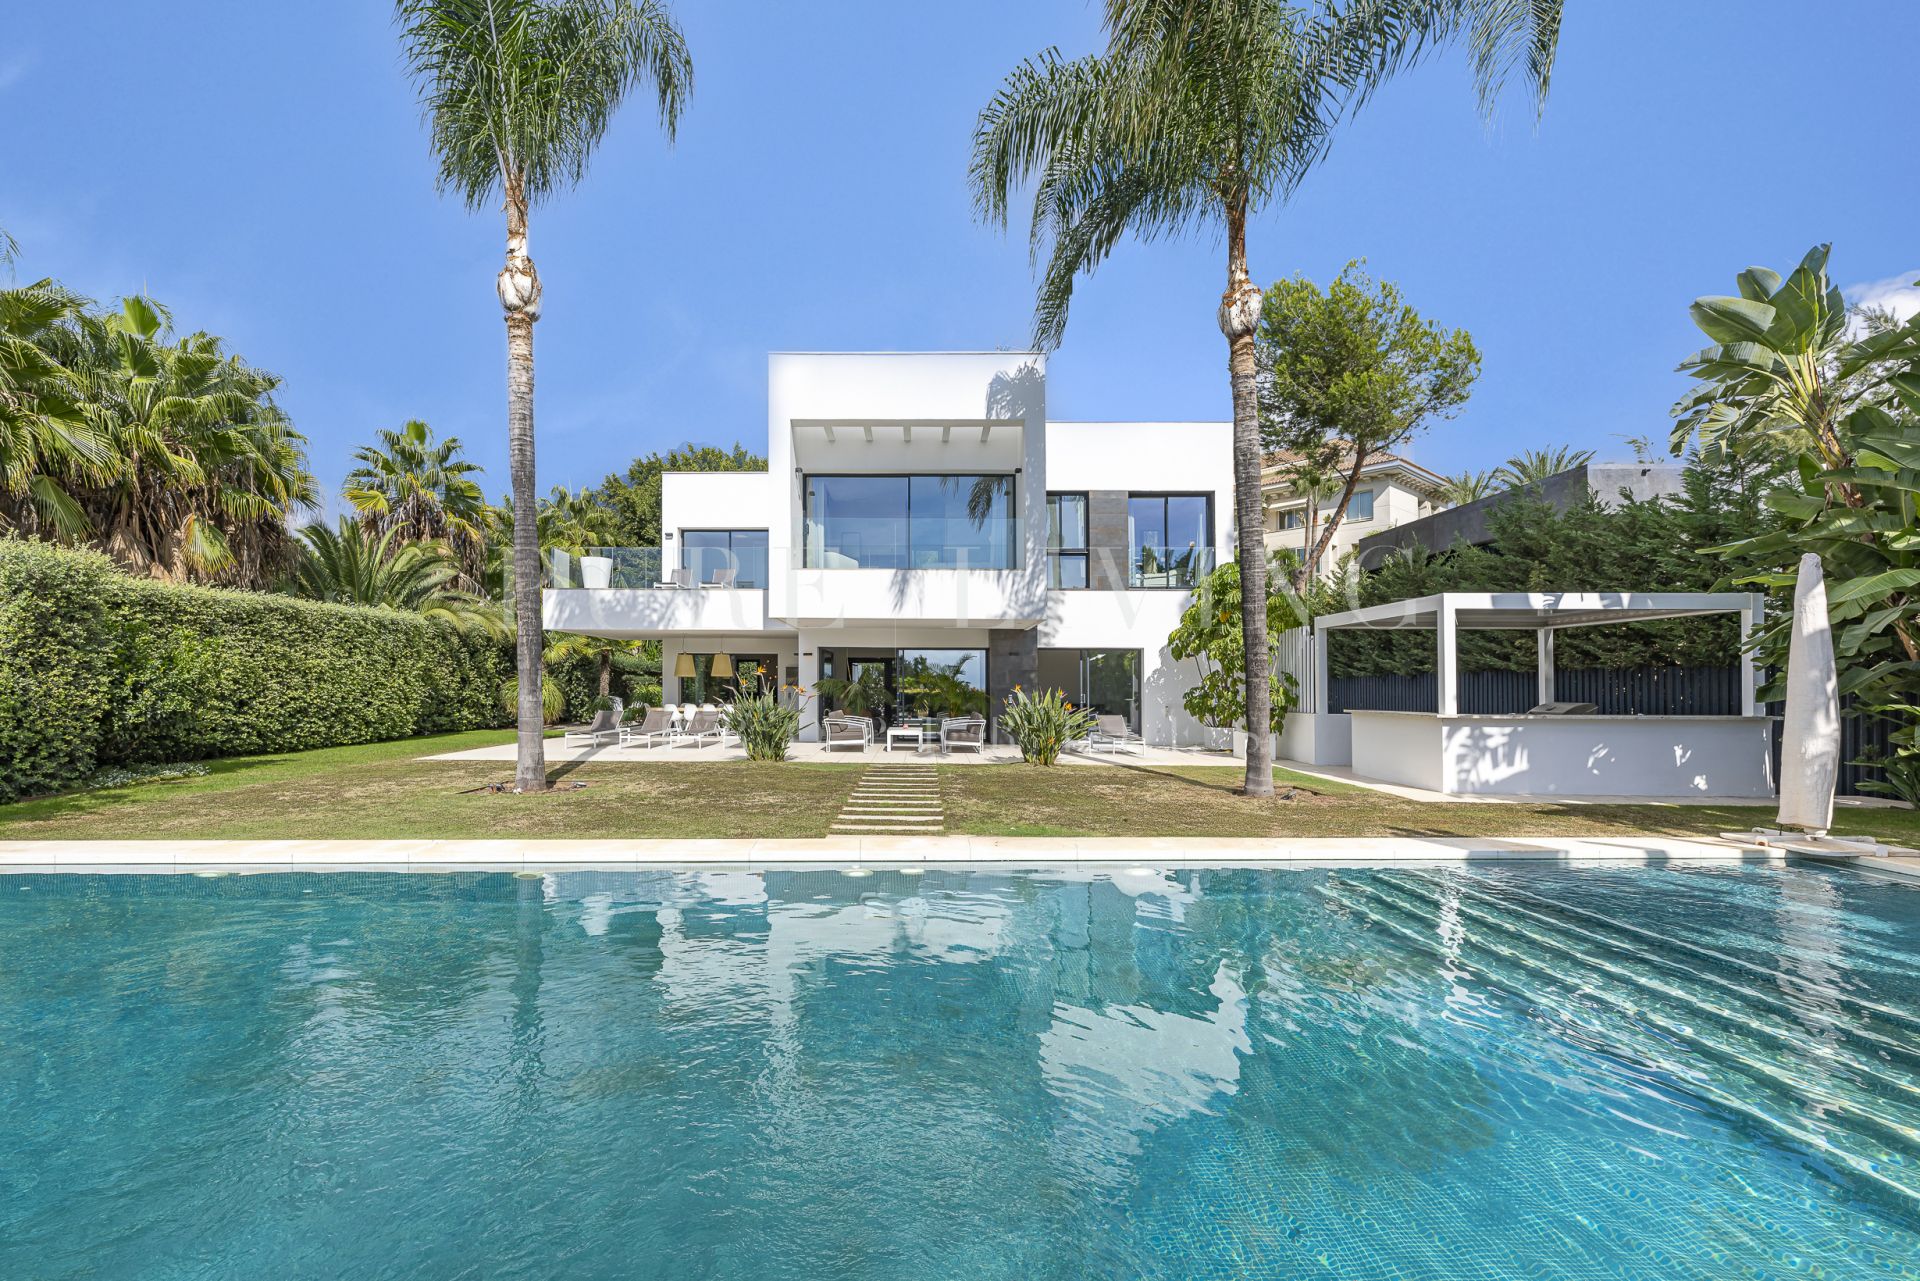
(262, 169)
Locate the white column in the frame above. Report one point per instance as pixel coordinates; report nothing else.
(1320, 695)
(1545, 635)
(1750, 618)
(809, 679)
(1449, 664)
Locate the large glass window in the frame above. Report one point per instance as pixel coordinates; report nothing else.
(1360, 506)
(707, 551)
(1170, 539)
(1066, 540)
(943, 682)
(1106, 681)
(910, 522)
(703, 684)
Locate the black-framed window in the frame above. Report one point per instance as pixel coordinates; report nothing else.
(744, 551)
(1067, 540)
(920, 521)
(1169, 539)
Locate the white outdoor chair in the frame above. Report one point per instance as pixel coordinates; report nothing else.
(721, 578)
(705, 725)
(605, 724)
(963, 731)
(655, 727)
(848, 731)
(678, 578)
(1113, 734)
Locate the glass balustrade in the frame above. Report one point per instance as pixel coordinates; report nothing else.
(628, 567)
(1158, 566)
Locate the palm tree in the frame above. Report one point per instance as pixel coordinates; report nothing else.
(603, 650)
(422, 487)
(518, 93)
(1530, 467)
(1198, 116)
(349, 566)
(48, 446)
(1468, 487)
(167, 452)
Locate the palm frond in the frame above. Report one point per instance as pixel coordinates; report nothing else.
(518, 93)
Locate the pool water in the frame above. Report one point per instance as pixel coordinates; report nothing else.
(1595, 1072)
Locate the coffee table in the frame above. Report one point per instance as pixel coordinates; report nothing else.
(915, 734)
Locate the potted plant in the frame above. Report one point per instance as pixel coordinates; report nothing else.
(596, 571)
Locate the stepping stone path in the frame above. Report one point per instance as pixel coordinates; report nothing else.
(894, 800)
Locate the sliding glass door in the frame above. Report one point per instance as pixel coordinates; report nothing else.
(1107, 681)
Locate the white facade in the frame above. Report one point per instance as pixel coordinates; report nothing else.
(873, 546)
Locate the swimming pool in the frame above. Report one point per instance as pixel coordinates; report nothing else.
(1578, 1072)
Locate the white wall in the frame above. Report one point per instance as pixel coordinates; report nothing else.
(712, 500)
(928, 391)
(1650, 756)
(1189, 457)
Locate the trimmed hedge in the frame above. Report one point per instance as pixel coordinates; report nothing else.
(99, 668)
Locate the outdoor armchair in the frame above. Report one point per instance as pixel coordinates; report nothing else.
(848, 731)
(963, 731)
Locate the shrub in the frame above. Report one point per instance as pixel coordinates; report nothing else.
(1043, 724)
(766, 726)
(101, 669)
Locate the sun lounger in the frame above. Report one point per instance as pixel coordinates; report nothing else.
(655, 727)
(1113, 734)
(604, 726)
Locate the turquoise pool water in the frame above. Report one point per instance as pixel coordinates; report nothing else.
(1576, 1073)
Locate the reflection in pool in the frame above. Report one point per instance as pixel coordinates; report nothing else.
(1594, 1072)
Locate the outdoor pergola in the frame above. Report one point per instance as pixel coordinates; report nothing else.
(1551, 754)
(1447, 614)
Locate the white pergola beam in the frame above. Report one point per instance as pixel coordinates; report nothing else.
(1321, 697)
(828, 428)
(867, 431)
(1750, 619)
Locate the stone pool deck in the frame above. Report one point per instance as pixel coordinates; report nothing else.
(854, 851)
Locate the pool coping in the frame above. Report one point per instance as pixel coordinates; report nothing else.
(841, 852)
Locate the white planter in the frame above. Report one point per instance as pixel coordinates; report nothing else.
(596, 571)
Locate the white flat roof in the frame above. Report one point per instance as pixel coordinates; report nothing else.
(1532, 611)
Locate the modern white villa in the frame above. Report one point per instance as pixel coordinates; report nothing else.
(922, 513)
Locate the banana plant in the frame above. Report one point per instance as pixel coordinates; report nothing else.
(1793, 374)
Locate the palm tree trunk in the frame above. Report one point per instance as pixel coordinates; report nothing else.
(606, 672)
(519, 287)
(1239, 317)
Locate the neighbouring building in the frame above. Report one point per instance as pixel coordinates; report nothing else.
(1392, 491)
(1611, 484)
(922, 523)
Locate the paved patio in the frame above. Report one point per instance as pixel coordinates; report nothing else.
(993, 754)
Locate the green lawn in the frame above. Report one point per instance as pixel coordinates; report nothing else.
(381, 790)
